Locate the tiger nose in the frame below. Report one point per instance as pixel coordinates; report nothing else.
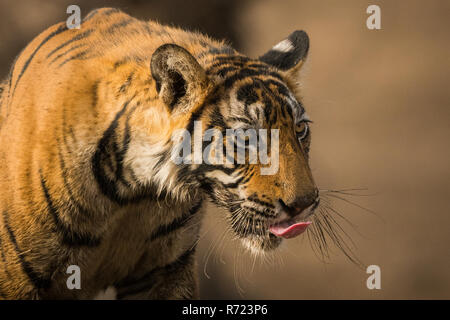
(300, 203)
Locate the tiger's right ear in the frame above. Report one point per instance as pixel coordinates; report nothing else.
(180, 80)
(289, 54)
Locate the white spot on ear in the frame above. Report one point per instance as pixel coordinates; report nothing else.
(283, 46)
(109, 293)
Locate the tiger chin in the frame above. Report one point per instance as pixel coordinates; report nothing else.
(87, 124)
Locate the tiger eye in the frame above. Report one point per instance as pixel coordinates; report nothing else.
(300, 127)
(301, 130)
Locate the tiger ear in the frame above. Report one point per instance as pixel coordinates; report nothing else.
(289, 54)
(180, 80)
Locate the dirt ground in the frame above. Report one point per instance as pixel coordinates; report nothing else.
(380, 103)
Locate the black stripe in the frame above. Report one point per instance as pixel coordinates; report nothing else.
(76, 38)
(233, 59)
(104, 11)
(120, 62)
(224, 63)
(246, 73)
(69, 237)
(10, 76)
(91, 15)
(38, 280)
(215, 51)
(79, 55)
(176, 224)
(103, 154)
(248, 177)
(216, 119)
(201, 170)
(2, 253)
(61, 29)
(127, 83)
(268, 106)
(106, 150)
(233, 185)
(164, 156)
(95, 94)
(194, 117)
(147, 29)
(247, 94)
(110, 11)
(212, 99)
(66, 133)
(282, 88)
(120, 155)
(224, 71)
(255, 199)
(240, 119)
(2, 250)
(67, 51)
(223, 50)
(259, 212)
(111, 29)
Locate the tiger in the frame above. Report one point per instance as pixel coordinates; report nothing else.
(87, 119)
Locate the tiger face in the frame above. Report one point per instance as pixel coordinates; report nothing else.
(266, 200)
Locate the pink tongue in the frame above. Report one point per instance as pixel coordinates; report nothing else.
(290, 231)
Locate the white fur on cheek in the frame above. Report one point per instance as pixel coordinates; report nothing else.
(222, 176)
(142, 157)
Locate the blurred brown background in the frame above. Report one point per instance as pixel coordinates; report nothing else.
(380, 104)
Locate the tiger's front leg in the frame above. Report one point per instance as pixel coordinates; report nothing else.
(176, 280)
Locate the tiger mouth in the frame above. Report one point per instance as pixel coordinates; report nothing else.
(292, 227)
(289, 228)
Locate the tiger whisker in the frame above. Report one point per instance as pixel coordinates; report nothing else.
(344, 190)
(326, 226)
(211, 248)
(327, 216)
(327, 204)
(356, 205)
(335, 235)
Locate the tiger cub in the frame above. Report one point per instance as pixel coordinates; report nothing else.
(87, 177)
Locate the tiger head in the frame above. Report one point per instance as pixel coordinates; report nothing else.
(269, 193)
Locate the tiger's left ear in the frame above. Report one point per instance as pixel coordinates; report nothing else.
(289, 54)
(180, 80)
